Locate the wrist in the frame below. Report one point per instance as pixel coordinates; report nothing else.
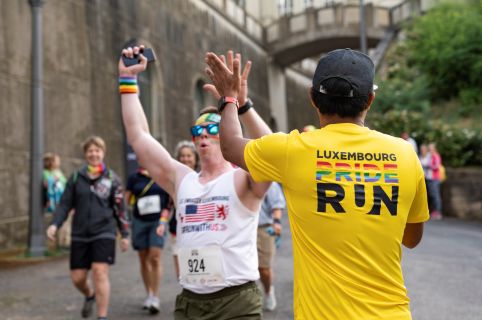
(225, 100)
(128, 84)
(248, 104)
(276, 220)
(163, 220)
(127, 74)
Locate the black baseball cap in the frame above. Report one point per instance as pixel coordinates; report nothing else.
(352, 66)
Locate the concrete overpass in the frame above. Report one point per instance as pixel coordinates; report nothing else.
(295, 37)
(316, 30)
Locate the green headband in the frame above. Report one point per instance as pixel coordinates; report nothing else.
(208, 117)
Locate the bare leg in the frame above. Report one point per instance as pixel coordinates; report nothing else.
(175, 256)
(176, 265)
(80, 281)
(154, 261)
(145, 269)
(100, 273)
(266, 275)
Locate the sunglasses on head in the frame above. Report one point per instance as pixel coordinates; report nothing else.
(212, 129)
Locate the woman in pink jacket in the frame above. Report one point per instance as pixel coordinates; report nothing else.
(433, 184)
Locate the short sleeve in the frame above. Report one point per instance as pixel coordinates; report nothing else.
(419, 208)
(266, 157)
(276, 197)
(130, 183)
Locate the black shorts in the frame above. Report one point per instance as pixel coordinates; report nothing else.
(83, 254)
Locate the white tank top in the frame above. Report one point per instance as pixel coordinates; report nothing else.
(211, 215)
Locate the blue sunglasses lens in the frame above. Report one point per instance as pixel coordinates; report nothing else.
(212, 129)
(196, 131)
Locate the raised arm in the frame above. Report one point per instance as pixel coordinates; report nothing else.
(229, 82)
(166, 171)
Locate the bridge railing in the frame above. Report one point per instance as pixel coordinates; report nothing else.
(341, 15)
(404, 11)
(330, 17)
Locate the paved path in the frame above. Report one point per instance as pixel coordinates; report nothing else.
(443, 276)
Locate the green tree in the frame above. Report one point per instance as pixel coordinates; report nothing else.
(440, 60)
(446, 45)
(402, 86)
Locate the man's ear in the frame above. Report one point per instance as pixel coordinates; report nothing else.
(310, 96)
(371, 98)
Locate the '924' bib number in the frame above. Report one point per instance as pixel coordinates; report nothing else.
(196, 265)
(201, 266)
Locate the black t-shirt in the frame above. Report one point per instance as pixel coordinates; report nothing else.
(136, 184)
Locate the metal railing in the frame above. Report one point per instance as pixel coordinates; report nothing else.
(333, 14)
(341, 15)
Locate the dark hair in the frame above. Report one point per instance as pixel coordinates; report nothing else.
(209, 109)
(336, 105)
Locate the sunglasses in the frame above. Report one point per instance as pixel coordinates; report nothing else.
(212, 129)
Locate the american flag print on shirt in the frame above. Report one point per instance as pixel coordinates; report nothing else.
(200, 212)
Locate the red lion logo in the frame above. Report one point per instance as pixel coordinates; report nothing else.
(222, 211)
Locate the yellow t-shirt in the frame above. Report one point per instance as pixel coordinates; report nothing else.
(350, 192)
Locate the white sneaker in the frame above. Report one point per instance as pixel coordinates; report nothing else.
(155, 305)
(270, 300)
(147, 303)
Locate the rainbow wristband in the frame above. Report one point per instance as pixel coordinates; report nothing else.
(128, 84)
(164, 220)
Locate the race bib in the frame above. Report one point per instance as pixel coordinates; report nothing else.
(149, 205)
(201, 265)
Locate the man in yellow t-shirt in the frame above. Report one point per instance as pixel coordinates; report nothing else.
(354, 195)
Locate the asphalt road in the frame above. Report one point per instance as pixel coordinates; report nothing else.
(443, 276)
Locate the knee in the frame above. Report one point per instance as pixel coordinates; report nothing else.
(264, 272)
(100, 272)
(78, 279)
(144, 262)
(155, 260)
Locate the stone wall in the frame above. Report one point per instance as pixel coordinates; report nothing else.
(82, 40)
(300, 111)
(462, 193)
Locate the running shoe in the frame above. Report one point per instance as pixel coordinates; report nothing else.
(155, 305)
(270, 300)
(435, 215)
(88, 307)
(147, 303)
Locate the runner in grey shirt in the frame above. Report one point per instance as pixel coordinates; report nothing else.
(269, 228)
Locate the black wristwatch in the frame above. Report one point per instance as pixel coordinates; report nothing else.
(223, 101)
(245, 107)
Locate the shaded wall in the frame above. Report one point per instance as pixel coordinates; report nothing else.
(82, 40)
(300, 111)
(462, 193)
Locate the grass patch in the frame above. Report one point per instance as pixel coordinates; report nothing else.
(21, 257)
